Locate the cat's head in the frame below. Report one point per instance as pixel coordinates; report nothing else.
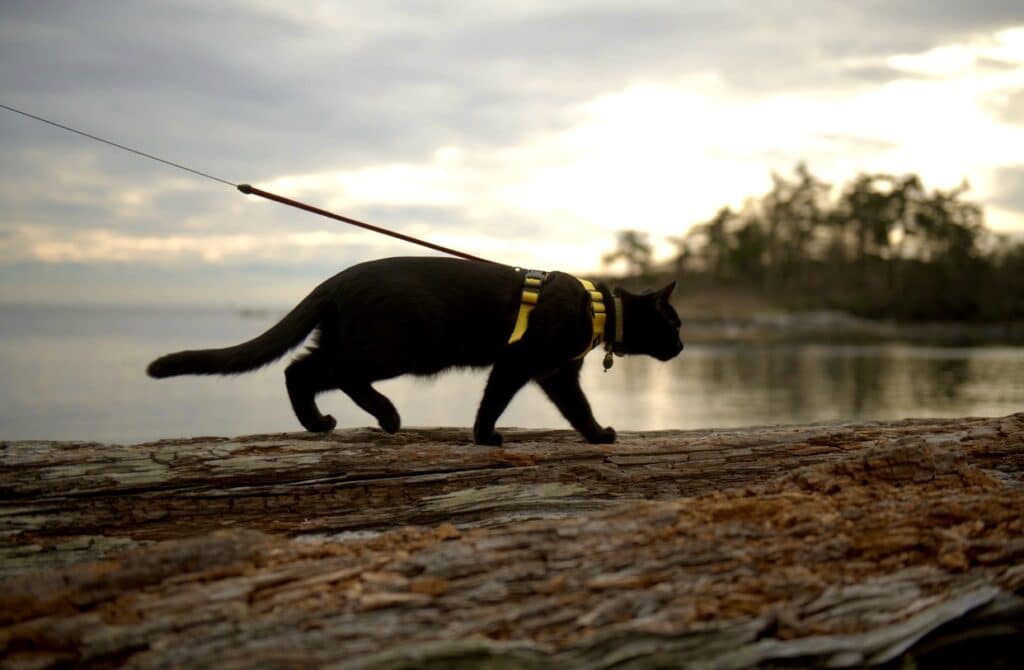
(650, 325)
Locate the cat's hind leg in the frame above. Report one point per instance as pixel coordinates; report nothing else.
(304, 378)
(373, 402)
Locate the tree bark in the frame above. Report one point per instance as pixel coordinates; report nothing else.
(840, 544)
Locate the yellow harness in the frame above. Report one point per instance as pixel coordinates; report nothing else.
(531, 293)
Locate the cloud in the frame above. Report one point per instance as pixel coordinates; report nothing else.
(251, 91)
(845, 142)
(1008, 106)
(1009, 188)
(492, 127)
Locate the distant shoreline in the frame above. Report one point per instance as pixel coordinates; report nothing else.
(719, 323)
(840, 328)
(737, 314)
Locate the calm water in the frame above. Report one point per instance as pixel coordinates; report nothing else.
(79, 374)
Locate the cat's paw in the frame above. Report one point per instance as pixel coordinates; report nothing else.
(604, 436)
(390, 423)
(323, 424)
(492, 440)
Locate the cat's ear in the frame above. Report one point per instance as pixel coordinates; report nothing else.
(665, 293)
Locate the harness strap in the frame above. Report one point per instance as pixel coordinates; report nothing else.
(599, 314)
(531, 294)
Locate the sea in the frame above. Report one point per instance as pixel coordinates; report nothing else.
(78, 373)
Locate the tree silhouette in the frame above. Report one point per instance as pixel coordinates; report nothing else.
(880, 245)
(634, 247)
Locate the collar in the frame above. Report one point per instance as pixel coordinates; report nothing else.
(613, 327)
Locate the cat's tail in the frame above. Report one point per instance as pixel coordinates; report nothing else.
(283, 336)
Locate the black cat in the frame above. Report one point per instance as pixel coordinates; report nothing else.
(422, 315)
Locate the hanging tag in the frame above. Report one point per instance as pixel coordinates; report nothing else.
(608, 360)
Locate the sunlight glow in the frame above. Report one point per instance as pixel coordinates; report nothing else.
(658, 157)
(34, 243)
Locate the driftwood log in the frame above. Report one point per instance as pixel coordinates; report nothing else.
(839, 545)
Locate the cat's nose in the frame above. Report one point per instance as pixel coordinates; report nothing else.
(668, 354)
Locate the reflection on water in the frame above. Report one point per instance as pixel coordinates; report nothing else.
(733, 386)
(79, 374)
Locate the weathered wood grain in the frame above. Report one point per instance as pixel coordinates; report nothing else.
(829, 545)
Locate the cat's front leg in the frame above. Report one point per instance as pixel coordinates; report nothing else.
(372, 401)
(507, 377)
(563, 388)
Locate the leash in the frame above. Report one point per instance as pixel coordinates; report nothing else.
(252, 190)
(248, 189)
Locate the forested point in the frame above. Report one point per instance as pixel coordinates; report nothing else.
(880, 246)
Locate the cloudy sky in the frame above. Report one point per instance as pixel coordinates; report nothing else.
(526, 132)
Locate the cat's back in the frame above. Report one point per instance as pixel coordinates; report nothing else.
(427, 274)
(429, 313)
(429, 288)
